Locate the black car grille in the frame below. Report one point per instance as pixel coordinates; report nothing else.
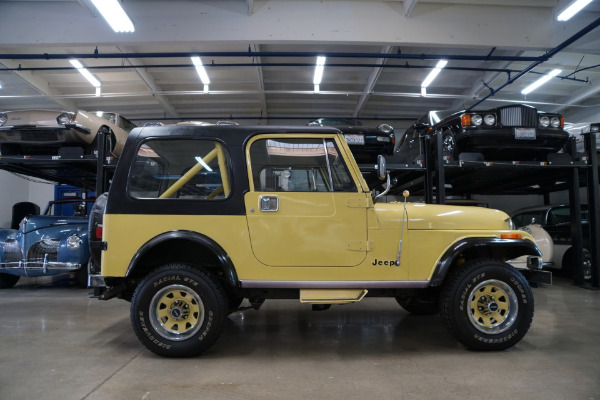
(40, 136)
(12, 251)
(45, 248)
(518, 116)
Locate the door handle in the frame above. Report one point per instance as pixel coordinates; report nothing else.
(268, 203)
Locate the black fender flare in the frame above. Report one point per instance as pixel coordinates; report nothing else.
(507, 248)
(195, 237)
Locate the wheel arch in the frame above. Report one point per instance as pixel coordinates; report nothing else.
(187, 247)
(470, 248)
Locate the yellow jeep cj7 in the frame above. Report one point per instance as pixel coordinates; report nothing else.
(199, 218)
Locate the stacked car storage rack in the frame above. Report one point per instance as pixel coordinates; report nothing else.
(69, 167)
(436, 177)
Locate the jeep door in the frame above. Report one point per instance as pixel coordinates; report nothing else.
(304, 208)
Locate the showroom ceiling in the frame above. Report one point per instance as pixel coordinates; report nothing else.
(261, 55)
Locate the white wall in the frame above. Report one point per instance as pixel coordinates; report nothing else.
(14, 189)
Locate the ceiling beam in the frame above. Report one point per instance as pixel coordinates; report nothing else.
(261, 84)
(408, 6)
(371, 82)
(150, 83)
(42, 86)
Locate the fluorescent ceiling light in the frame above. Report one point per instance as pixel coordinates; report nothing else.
(434, 72)
(423, 91)
(87, 74)
(114, 14)
(317, 89)
(319, 70)
(541, 81)
(205, 88)
(572, 9)
(201, 71)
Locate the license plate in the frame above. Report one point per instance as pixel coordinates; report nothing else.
(355, 139)
(525, 133)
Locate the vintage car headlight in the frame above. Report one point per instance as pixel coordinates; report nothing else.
(544, 121)
(385, 128)
(64, 118)
(489, 119)
(3, 118)
(555, 122)
(476, 119)
(73, 242)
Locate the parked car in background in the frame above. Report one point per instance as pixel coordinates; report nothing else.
(509, 133)
(47, 244)
(365, 142)
(556, 220)
(46, 132)
(409, 149)
(576, 131)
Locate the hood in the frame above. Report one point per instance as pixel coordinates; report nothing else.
(441, 217)
(33, 118)
(38, 222)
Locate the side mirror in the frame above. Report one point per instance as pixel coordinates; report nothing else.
(381, 167)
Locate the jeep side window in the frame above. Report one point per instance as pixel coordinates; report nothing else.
(299, 165)
(180, 168)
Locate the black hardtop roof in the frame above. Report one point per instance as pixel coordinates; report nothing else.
(231, 134)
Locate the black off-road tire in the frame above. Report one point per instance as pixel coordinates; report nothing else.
(568, 264)
(487, 305)
(7, 281)
(419, 305)
(178, 311)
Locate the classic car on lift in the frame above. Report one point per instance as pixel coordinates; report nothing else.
(47, 244)
(556, 220)
(49, 132)
(509, 133)
(364, 141)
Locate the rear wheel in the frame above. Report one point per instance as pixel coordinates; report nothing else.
(487, 305)
(8, 281)
(448, 145)
(569, 266)
(178, 311)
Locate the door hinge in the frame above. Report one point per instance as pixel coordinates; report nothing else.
(357, 202)
(360, 245)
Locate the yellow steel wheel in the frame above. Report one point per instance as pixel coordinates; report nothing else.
(493, 306)
(176, 312)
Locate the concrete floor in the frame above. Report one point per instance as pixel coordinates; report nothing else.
(57, 343)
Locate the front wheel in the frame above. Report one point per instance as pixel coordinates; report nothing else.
(7, 281)
(487, 305)
(178, 311)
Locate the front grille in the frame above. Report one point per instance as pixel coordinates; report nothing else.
(12, 251)
(45, 248)
(518, 116)
(40, 136)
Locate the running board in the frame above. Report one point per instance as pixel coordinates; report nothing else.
(331, 296)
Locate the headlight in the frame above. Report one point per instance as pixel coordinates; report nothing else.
(476, 119)
(544, 121)
(386, 128)
(73, 242)
(3, 118)
(383, 139)
(489, 119)
(64, 118)
(555, 122)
